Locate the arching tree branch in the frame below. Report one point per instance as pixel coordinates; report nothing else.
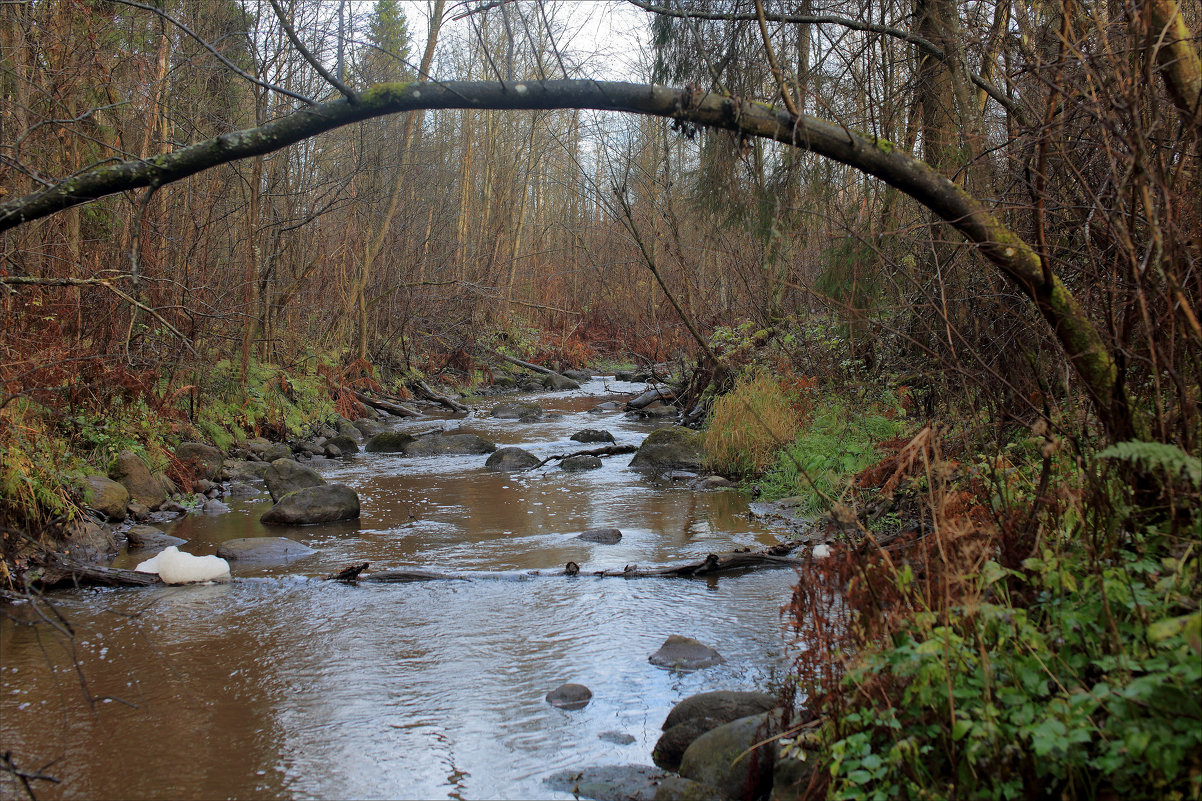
(1079, 338)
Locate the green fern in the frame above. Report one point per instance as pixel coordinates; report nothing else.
(1152, 455)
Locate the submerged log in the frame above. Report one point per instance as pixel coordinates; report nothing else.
(390, 405)
(609, 450)
(712, 564)
(349, 573)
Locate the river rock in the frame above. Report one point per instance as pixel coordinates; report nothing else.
(131, 472)
(606, 408)
(322, 504)
(138, 511)
(605, 536)
(347, 429)
(578, 375)
(722, 758)
(609, 782)
(617, 737)
(558, 383)
(106, 496)
(450, 444)
(214, 507)
(369, 428)
(711, 483)
(389, 442)
(791, 777)
(570, 696)
(518, 410)
(673, 448)
(678, 788)
(685, 653)
(90, 542)
(205, 460)
(655, 410)
(344, 443)
(574, 464)
(151, 537)
(510, 459)
(238, 490)
(624, 375)
(592, 435)
(697, 714)
(263, 549)
(287, 475)
(244, 470)
(331, 451)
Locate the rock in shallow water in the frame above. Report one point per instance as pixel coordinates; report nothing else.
(617, 737)
(263, 549)
(673, 448)
(570, 696)
(151, 537)
(592, 435)
(697, 714)
(287, 475)
(511, 458)
(323, 504)
(609, 782)
(604, 536)
(575, 464)
(685, 653)
(517, 411)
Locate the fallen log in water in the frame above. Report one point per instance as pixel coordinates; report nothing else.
(712, 564)
(609, 450)
(60, 572)
(392, 406)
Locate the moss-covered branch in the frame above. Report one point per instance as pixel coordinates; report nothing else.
(1080, 339)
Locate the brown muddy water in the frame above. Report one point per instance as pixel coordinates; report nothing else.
(281, 685)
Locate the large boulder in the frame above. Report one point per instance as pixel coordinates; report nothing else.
(685, 653)
(131, 472)
(244, 470)
(727, 758)
(263, 549)
(452, 443)
(323, 504)
(205, 460)
(697, 714)
(389, 442)
(557, 382)
(105, 496)
(673, 448)
(518, 410)
(510, 459)
(578, 375)
(592, 435)
(369, 428)
(287, 475)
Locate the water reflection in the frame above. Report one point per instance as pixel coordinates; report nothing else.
(283, 685)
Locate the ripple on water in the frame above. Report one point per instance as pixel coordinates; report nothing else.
(284, 685)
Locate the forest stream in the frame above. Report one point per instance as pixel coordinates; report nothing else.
(280, 684)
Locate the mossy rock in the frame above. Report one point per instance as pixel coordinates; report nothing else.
(672, 448)
(389, 442)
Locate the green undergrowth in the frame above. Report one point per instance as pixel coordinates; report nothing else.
(838, 439)
(271, 402)
(1092, 689)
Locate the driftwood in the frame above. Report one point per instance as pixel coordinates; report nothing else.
(532, 367)
(349, 573)
(392, 406)
(609, 450)
(423, 389)
(64, 571)
(712, 564)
